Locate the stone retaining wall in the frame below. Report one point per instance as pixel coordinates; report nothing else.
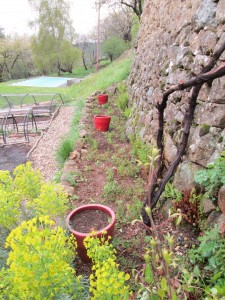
(175, 41)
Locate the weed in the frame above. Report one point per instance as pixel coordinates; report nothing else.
(111, 190)
(140, 149)
(92, 142)
(210, 256)
(213, 177)
(122, 99)
(171, 192)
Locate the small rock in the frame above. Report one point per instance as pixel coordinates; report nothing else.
(83, 151)
(83, 133)
(212, 218)
(75, 154)
(207, 206)
(167, 209)
(221, 221)
(221, 199)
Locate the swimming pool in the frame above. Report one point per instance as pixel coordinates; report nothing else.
(45, 81)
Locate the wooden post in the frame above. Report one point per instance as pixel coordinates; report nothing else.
(98, 41)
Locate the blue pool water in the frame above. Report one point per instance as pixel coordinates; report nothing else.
(45, 81)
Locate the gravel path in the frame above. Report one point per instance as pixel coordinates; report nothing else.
(43, 156)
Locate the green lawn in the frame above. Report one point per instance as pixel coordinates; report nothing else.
(113, 73)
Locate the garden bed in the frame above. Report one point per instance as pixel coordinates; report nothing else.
(106, 171)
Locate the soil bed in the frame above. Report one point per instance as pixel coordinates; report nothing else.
(107, 172)
(89, 220)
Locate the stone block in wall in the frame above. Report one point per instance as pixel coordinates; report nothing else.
(176, 76)
(184, 176)
(201, 147)
(221, 199)
(200, 61)
(205, 14)
(210, 113)
(170, 149)
(217, 91)
(208, 40)
(170, 112)
(207, 206)
(213, 217)
(220, 13)
(221, 223)
(220, 42)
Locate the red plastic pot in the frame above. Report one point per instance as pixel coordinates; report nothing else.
(82, 252)
(102, 99)
(102, 122)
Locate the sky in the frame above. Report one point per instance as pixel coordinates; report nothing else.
(16, 14)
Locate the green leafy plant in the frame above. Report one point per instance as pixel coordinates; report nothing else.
(67, 143)
(164, 275)
(27, 195)
(107, 281)
(140, 149)
(111, 189)
(210, 255)
(40, 263)
(171, 192)
(213, 177)
(122, 97)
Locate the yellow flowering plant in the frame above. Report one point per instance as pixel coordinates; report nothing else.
(39, 263)
(107, 282)
(26, 195)
(27, 180)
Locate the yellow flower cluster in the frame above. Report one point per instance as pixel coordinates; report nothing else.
(39, 261)
(107, 282)
(26, 195)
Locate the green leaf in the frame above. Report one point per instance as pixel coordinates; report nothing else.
(164, 284)
(174, 296)
(148, 274)
(161, 293)
(196, 271)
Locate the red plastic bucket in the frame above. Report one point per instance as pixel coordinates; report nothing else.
(102, 99)
(102, 122)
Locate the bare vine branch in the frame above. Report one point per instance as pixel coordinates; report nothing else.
(156, 187)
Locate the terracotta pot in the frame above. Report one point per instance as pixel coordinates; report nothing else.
(82, 252)
(102, 99)
(102, 122)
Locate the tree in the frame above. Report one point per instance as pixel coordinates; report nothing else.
(2, 34)
(118, 23)
(134, 5)
(87, 47)
(15, 58)
(52, 47)
(113, 47)
(67, 58)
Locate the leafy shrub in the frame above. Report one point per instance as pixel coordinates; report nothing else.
(107, 281)
(210, 255)
(213, 177)
(40, 262)
(26, 195)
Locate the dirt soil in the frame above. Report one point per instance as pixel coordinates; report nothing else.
(107, 172)
(97, 221)
(13, 155)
